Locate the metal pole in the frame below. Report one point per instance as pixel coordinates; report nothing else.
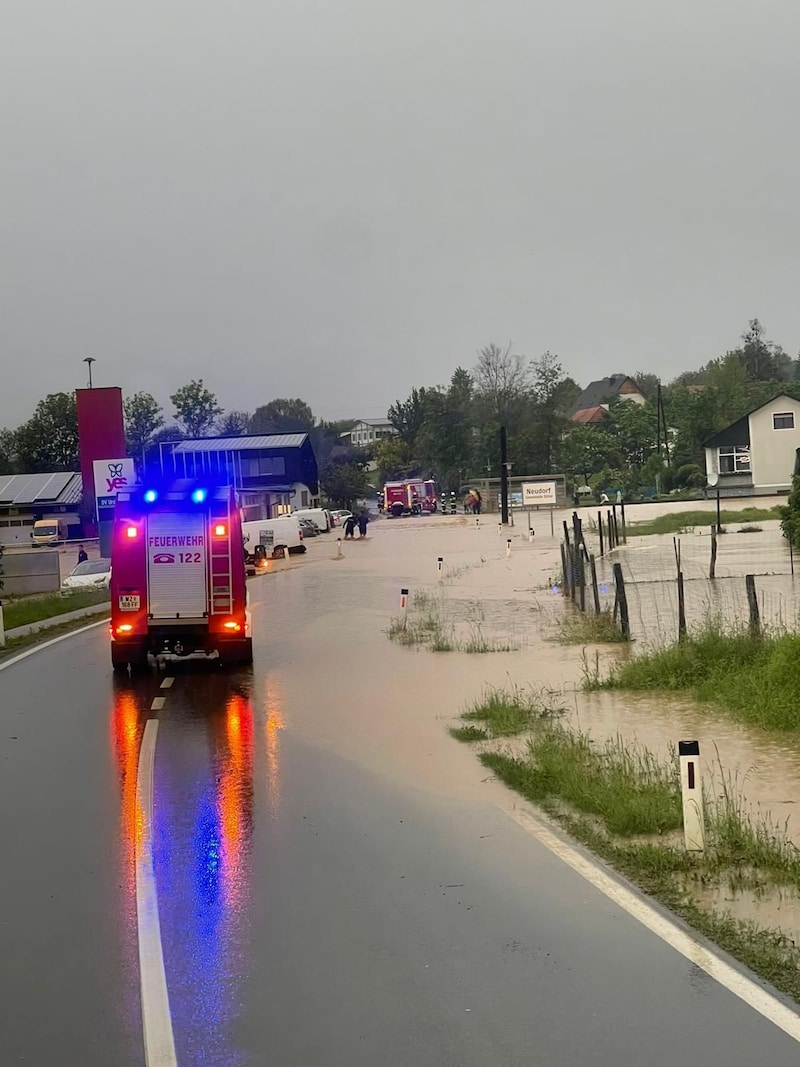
(719, 522)
(503, 476)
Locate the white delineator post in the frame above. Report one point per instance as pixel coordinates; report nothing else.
(694, 830)
(508, 548)
(2, 628)
(404, 605)
(439, 566)
(499, 527)
(338, 548)
(477, 520)
(530, 535)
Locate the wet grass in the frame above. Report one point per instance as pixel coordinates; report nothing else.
(586, 628)
(24, 610)
(610, 795)
(680, 521)
(426, 627)
(505, 713)
(756, 679)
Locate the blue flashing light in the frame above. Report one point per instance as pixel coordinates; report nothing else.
(150, 496)
(199, 496)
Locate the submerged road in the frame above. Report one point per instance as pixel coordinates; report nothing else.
(335, 884)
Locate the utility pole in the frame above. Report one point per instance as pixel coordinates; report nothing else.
(503, 476)
(90, 360)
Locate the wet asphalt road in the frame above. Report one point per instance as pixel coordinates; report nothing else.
(313, 911)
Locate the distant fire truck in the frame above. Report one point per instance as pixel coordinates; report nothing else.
(410, 497)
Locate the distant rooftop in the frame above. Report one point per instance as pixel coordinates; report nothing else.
(247, 442)
(23, 490)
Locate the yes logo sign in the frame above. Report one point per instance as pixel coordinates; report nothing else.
(111, 475)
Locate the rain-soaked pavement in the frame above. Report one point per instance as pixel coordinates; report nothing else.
(338, 884)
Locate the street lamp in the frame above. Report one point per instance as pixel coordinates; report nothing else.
(90, 360)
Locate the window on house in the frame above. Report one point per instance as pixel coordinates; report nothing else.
(303, 498)
(734, 459)
(783, 420)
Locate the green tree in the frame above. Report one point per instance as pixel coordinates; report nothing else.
(143, 416)
(283, 416)
(234, 423)
(344, 481)
(407, 416)
(196, 408)
(393, 458)
(7, 452)
(48, 441)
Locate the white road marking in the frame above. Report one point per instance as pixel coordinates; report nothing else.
(734, 981)
(159, 1044)
(46, 644)
(167, 683)
(158, 703)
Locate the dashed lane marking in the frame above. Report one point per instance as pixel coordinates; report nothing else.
(159, 1043)
(167, 683)
(158, 703)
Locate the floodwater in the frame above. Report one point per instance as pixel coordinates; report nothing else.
(511, 601)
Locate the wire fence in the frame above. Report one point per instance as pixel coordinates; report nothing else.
(659, 606)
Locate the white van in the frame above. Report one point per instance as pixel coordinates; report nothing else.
(281, 532)
(319, 516)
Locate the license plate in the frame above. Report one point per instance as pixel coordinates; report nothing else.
(130, 602)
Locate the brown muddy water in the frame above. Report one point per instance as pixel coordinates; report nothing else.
(394, 715)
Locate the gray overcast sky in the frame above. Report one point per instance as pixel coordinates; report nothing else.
(341, 199)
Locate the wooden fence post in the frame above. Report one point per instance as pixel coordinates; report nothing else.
(595, 590)
(600, 530)
(681, 609)
(564, 575)
(624, 524)
(581, 582)
(622, 601)
(752, 603)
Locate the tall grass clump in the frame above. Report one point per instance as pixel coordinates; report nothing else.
(506, 713)
(755, 678)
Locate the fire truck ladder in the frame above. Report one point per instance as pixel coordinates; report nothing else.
(221, 572)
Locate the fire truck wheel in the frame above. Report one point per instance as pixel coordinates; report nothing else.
(239, 653)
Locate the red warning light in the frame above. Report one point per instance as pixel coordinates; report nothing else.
(220, 529)
(131, 532)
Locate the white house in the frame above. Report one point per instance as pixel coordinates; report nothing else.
(369, 431)
(758, 453)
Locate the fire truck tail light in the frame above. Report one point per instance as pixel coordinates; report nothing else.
(131, 532)
(220, 529)
(124, 628)
(231, 624)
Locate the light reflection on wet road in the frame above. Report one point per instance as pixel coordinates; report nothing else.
(337, 883)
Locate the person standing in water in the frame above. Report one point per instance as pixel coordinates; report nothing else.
(363, 519)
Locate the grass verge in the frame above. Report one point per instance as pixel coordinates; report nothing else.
(755, 679)
(576, 627)
(24, 610)
(679, 521)
(20, 644)
(618, 800)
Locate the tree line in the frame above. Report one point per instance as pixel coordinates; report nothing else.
(450, 432)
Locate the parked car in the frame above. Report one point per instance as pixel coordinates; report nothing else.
(92, 573)
(340, 517)
(284, 531)
(319, 516)
(309, 528)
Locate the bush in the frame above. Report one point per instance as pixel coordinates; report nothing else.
(790, 514)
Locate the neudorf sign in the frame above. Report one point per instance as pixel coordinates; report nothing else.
(539, 493)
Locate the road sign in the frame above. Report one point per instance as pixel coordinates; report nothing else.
(534, 493)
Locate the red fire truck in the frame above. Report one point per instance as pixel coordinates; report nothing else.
(410, 497)
(178, 583)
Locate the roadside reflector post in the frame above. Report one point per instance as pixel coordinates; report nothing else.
(508, 548)
(478, 522)
(404, 606)
(531, 534)
(338, 548)
(2, 628)
(499, 527)
(439, 565)
(694, 830)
